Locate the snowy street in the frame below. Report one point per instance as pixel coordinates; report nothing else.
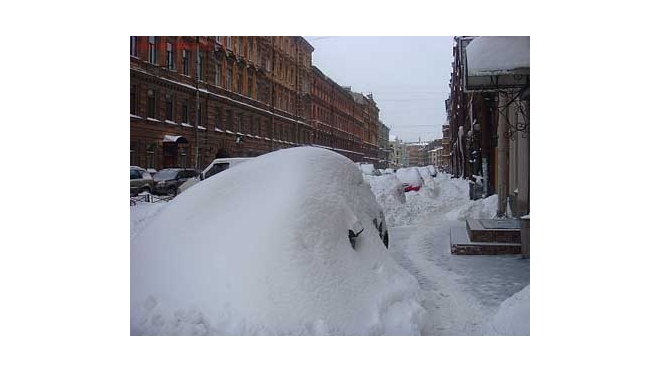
(460, 294)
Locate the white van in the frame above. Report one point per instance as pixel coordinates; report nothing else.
(216, 166)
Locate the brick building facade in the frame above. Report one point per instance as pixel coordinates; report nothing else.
(193, 99)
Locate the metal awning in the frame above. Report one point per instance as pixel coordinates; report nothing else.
(497, 62)
(175, 139)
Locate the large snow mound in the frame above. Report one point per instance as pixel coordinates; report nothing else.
(512, 318)
(263, 249)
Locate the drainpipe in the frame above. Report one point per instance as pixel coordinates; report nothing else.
(272, 94)
(198, 110)
(502, 158)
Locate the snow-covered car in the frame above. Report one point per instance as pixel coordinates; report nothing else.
(387, 188)
(141, 181)
(289, 243)
(424, 172)
(369, 169)
(432, 170)
(410, 177)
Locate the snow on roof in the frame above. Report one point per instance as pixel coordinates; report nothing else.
(199, 267)
(496, 55)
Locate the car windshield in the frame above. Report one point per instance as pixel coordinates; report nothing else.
(166, 174)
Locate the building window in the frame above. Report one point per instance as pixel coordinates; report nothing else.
(183, 160)
(134, 46)
(218, 40)
(229, 46)
(170, 56)
(199, 66)
(228, 121)
(186, 62)
(250, 86)
(152, 49)
(239, 82)
(239, 123)
(239, 46)
(169, 108)
(199, 115)
(133, 99)
(216, 79)
(151, 103)
(184, 112)
(229, 73)
(150, 158)
(256, 127)
(249, 50)
(218, 120)
(133, 154)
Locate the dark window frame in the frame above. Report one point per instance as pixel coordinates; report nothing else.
(151, 103)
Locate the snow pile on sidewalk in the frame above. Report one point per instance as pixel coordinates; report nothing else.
(263, 249)
(512, 318)
(441, 198)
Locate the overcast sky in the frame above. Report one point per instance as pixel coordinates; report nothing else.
(409, 77)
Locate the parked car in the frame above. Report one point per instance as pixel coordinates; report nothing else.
(216, 166)
(411, 179)
(167, 181)
(369, 169)
(141, 181)
(291, 242)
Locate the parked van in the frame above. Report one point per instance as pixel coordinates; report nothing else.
(216, 166)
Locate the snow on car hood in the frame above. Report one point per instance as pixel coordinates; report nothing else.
(410, 176)
(263, 248)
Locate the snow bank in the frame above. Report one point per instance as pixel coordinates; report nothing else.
(263, 249)
(142, 213)
(441, 198)
(512, 318)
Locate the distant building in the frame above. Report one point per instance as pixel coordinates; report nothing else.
(417, 153)
(383, 146)
(398, 154)
(445, 155)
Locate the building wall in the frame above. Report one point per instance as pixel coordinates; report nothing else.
(256, 94)
(383, 145)
(416, 155)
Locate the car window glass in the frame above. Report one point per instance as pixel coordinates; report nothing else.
(135, 174)
(216, 168)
